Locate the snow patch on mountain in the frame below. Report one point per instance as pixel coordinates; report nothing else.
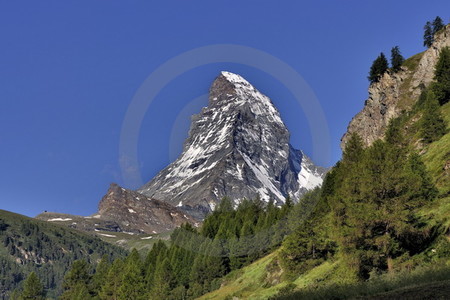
(237, 147)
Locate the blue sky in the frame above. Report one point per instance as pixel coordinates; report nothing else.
(70, 69)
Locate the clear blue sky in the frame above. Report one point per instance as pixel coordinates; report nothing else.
(69, 70)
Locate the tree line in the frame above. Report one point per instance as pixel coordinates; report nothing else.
(190, 264)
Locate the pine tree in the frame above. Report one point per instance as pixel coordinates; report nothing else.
(396, 59)
(438, 24)
(164, 280)
(32, 288)
(378, 68)
(113, 281)
(133, 285)
(101, 272)
(159, 249)
(77, 281)
(433, 124)
(428, 35)
(441, 85)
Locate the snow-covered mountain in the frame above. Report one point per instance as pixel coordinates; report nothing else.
(237, 147)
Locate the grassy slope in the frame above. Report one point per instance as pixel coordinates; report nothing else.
(436, 156)
(142, 242)
(250, 283)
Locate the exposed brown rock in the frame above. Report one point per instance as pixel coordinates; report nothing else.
(123, 210)
(395, 93)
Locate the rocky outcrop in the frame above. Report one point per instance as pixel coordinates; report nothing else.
(396, 92)
(123, 210)
(237, 147)
(135, 212)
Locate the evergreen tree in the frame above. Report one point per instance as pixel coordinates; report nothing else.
(113, 281)
(132, 286)
(441, 85)
(159, 249)
(15, 295)
(163, 280)
(433, 124)
(379, 67)
(428, 35)
(396, 59)
(101, 272)
(374, 203)
(438, 24)
(77, 281)
(32, 288)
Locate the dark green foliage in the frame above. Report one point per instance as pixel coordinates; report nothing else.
(379, 66)
(433, 124)
(101, 272)
(33, 288)
(396, 59)
(366, 210)
(164, 280)
(441, 84)
(30, 245)
(113, 281)
(430, 29)
(428, 35)
(77, 282)
(438, 24)
(193, 262)
(373, 212)
(133, 283)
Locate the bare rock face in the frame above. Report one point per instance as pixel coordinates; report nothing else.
(135, 212)
(237, 147)
(395, 93)
(123, 210)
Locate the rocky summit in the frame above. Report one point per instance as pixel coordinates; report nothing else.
(238, 147)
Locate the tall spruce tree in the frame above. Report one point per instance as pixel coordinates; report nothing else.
(101, 272)
(77, 282)
(428, 35)
(379, 66)
(32, 288)
(433, 123)
(164, 280)
(438, 24)
(396, 59)
(441, 84)
(133, 285)
(373, 205)
(113, 281)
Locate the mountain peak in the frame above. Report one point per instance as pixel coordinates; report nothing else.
(234, 78)
(232, 91)
(237, 147)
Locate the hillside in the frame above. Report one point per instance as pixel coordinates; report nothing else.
(45, 248)
(423, 272)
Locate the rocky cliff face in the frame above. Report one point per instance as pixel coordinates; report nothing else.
(137, 213)
(237, 147)
(123, 210)
(396, 92)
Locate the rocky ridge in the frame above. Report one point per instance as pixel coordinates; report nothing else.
(396, 92)
(123, 210)
(237, 147)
